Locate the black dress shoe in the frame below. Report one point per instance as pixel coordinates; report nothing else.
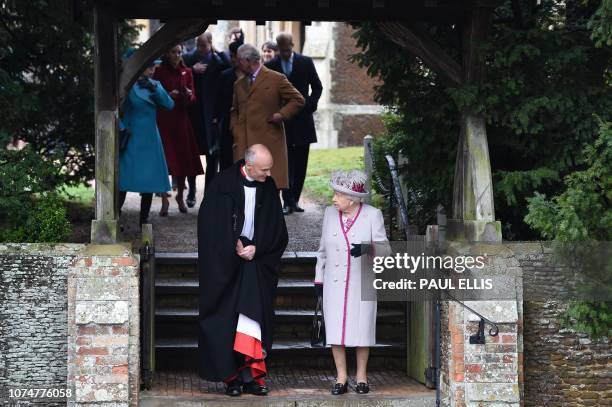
(233, 389)
(190, 202)
(255, 388)
(339, 388)
(362, 388)
(287, 210)
(296, 208)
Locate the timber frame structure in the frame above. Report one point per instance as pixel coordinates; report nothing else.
(473, 215)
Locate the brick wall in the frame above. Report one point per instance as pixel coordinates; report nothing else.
(103, 326)
(33, 316)
(351, 86)
(352, 128)
(351, 83)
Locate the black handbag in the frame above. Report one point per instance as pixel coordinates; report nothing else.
(124, 137)
(317, 336)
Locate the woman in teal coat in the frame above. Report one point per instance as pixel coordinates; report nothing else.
(142, 164)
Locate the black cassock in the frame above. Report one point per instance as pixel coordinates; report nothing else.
(226, 290)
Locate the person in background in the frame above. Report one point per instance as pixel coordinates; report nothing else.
(235, 35)
(224, 106)
(350, 230)
(180, 145)
(300, 130)
(206, 65)
(262, 100)
(142, 164)
(269, 51)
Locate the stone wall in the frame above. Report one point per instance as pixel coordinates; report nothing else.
(533, 361)
(33, 315)
(563, 367)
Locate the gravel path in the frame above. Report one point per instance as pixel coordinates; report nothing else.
(177, 232)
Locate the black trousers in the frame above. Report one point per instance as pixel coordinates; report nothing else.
(212, 164)
(145, 204)
(297, 161)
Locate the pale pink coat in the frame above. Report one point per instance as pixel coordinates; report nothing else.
(349, 321)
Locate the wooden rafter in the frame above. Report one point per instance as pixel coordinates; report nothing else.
(173, 32)
(419, 43)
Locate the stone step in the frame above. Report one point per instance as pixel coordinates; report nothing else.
(311, 399)
(182, 353)
(291, 315)
(279, 345)
(291, 387)
(191, 285)
(184, 264)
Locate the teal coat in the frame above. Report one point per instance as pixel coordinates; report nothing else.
(142, 165)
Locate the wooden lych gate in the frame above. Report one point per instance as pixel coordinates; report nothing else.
(473, 215)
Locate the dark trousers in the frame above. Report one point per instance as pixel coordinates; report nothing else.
(297, 160)
(145, 204)
(212, 163)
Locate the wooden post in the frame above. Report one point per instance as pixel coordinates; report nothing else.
(104, 226)
(473, 214)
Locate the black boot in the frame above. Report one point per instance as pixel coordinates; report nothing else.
(191, 195)
(145, 207)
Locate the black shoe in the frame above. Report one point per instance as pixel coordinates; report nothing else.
(296, 208)
(339, 388)
(255, 388)
(287, 210)
(362, 388)
(190, 201)
(233, 389)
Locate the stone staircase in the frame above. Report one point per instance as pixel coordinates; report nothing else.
(176, 316)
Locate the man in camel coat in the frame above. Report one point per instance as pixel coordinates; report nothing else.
(263, 99)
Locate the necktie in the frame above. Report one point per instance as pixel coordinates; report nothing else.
(251, 79)
(287, 67)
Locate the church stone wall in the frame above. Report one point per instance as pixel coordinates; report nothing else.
(33, 316)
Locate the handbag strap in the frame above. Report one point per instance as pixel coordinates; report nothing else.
(318, 308)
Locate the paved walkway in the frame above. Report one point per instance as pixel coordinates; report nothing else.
(177, 232)
(287, 387)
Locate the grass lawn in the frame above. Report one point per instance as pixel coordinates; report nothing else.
(80, 194)
(321, 163)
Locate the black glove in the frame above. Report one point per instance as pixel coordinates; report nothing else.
(146, 84)
(318, 290)
(358, 249)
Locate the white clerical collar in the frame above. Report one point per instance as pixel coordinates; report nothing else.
(246, 175)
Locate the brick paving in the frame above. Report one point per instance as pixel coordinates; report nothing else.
(286, 383)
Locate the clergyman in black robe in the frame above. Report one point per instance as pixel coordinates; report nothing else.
(241, 238)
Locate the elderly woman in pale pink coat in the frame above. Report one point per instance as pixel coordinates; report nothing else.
(349, 321)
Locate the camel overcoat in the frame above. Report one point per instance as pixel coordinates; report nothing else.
(252, 106)
(349, 321)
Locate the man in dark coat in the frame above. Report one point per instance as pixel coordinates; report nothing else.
(241, 238)
(207, 66)
(224, 107)
(300, 130)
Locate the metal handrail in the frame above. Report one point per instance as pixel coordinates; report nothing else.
(493, 331)
(479, 337)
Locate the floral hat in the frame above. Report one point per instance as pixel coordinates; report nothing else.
(351, 182)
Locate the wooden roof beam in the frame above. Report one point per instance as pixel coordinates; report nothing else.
(418, 42)
(171, 33)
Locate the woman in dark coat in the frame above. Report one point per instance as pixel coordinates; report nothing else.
(180, 145)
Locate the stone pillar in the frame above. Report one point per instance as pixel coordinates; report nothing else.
(489, 374)
(103, 327)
